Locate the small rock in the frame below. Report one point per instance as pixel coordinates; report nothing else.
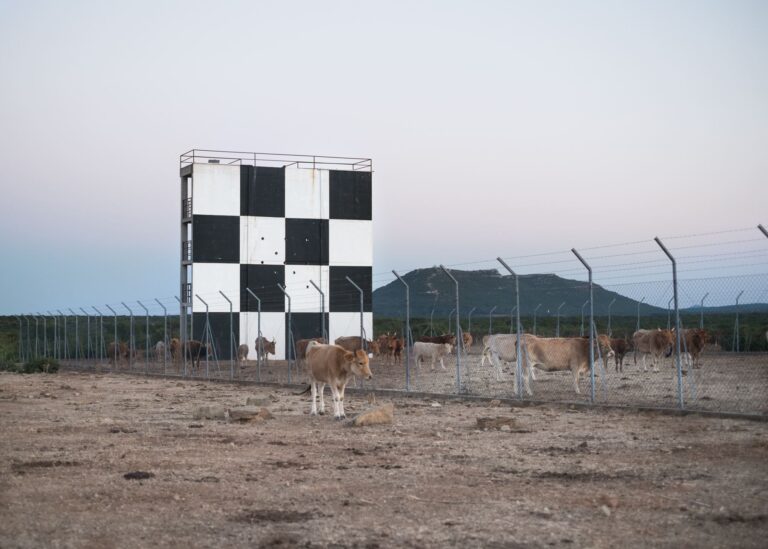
(138, 475)
(213, 411)
(258, 401)
(436, 405)
(485, 423)
(605, 510)
(249, 413)
(609, 501)
(505, 428)
(382, 415)
(494, 404)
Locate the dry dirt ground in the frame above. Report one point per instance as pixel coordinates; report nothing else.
(553, 477)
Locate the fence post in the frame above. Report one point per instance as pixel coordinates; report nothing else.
(408, 339)
(557, 329)
(131, 340)
(610, 331)
(363, 342)
(490, 320)
(183, 332)
(54, 352)
(205, 340)
(536, 310)
(512, 319)
(290, 332)
(101, 332)
(591, 323)
(77, 336)
(518, 353)
(146, 337)
(166, 343)
(37, 337)
(763, 230)
(231, 339)
(259, 342)
(669, 313)
(88, 350)
(45, 335)
(459, 339)
(450, 316)
(21, 344)
(736, 334)
(469, 320)
(677, 324)
(323, 333)
(581, 330)
(701, 310)
(431, 316)
(117, 345)
(638, 313)
(29, 338)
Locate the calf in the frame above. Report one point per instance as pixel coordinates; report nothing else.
(242, 354)
(657, 343)
(159, 351)
(335, 366)
(175, 349)
(620, 348)
(467, 340)
(422, 349)
(692, 344)
(264, 347)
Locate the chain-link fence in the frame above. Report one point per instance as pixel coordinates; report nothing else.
(684, 328)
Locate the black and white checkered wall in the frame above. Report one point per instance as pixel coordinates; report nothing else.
(257, 227)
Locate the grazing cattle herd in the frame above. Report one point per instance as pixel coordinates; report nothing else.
(336, 364)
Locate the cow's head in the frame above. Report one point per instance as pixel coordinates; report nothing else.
(270, 347)
(374, 347)
(450, 338)
(604, 343)
(358, 362)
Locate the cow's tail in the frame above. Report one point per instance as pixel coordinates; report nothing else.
(305, 391)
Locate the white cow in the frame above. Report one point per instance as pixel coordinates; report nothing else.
(434, 351)
(503, 347)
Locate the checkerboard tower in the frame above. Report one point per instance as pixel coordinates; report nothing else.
(254, 220)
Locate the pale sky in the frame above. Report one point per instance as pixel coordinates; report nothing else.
(495, 128)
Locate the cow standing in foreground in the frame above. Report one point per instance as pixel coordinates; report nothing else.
(657, 343)
(433, 351)
(334, 366)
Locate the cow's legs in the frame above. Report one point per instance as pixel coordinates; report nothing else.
(321, 392)
(341, 400)
(441, 363)
(313, 407)
(576, 380)
(496, 363)
(656, 361)
(335, 394)
(527, 376)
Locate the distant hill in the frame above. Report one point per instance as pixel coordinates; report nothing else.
(485, 288)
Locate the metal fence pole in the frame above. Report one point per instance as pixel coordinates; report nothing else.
(166, 343)
(701, 310)
(431, 317)
(459, 339)
(146, 337)
(363, 342)
(183, 334)
(518, 353)
(102, 350)
(669, 313)
(763, 230)
(408, 342)
(450, 316)
(323, 333)
(29, 338)
(591, 323)
(21, 343)
(536, 310)
(677, 324)
(259, 342)
(581, 330)
(290, 332)
(45, 335)
(117, 344)
(610, 331)
(512, 319)
(65, 345)
(736, 334)
(638, 313)
(131, 340)
(37, 337)
(231, 338)
(557, 329)
(469, 320)
(490, 320)
(54, 351)
(206, 336)
(89, 352)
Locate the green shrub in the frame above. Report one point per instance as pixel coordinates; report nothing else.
(41, 365)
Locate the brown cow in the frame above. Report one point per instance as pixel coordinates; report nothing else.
(175, 349)
(302, 344)
(444, 338)
(121, 352)
(242, 354)
(467, 340)
(657, 343)
(335, 366)
(692, 344)
(620, 348)
(262, 345)
(196, 350)
(352, 343)
(396, 346)
(562, 353)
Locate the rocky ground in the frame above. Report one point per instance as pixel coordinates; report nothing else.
(105, 460)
